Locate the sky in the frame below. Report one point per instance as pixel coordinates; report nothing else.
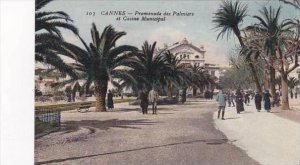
(197, 29)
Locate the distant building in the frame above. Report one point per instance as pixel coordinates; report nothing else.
(191, 54)
(194, 55)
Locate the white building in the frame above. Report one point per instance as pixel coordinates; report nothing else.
(191, 54)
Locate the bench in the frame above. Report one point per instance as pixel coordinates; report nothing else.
(85, 107)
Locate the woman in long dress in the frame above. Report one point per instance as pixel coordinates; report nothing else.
(239, 101)
(144, 101)
(110, 102)
(258, 99)
(266, 98)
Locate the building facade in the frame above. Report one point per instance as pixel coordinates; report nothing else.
(195, 56)
(191, 54)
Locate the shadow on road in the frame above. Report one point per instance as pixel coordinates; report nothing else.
(207, 141)
(229, 118)
(120, 110)
(72, 126)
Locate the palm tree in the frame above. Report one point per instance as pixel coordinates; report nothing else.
(227, 19)
(51, 21)
(176, 72)
(295, 3)
(199, 78)
(100, 62)
(270, 25)
(152, 68)
(48, 38)
(279, 42)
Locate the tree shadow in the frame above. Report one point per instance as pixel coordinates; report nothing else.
(72, 126)
(207, 141)
(121, 110)
(165, 113)
(230, 118)
(246, 112)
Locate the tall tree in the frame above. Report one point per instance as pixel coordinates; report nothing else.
(176, 72)
(228, 19)
(152, 68)
(100, 62)
(269, 24)
(295, 3)
(279, 46)
(48, 38)
(199, 78)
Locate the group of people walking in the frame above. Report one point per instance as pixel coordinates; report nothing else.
(145, 98)
(240, 98)
(151, 98)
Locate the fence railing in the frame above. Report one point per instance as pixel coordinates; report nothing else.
(47, 121)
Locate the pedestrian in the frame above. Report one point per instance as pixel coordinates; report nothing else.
(73, 96)
(267, 101)
(239, 101)
(228, 99)
(221, 99)
(291, 93)
(110, 102)
(276, 99)
(153, 97)
(257, 100)
(183, 96)
(247, 98)
(232, 98)
(144, 101)
(252, 95)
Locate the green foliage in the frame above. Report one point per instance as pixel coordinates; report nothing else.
(37, 92)
(151, 69)
(228, 17)
(101, 60)
(236, 78)
(292, 82)
(273, 33)
(48, 38)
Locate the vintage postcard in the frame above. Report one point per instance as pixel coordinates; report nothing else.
(167, 82)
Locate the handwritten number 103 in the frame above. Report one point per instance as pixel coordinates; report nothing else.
(90, 13)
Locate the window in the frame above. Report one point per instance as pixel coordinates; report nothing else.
(212, 73)
(196, 56)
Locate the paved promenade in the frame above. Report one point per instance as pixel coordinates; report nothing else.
(177, 135)
(269, 138)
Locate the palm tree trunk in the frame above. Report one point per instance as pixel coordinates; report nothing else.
(201, 88)
(252, 68)
(100, 93)
(177, 94)
(183, 96)
(195, 91)
(272, 83)
(266, 79)
(284, 89)
(170, 89)
(255, 78)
